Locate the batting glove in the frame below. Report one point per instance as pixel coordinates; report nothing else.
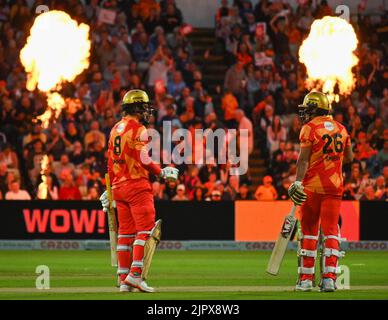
(296, 193)
(105, 202)
(169, 173)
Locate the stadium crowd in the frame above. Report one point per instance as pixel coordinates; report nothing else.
(148, 47)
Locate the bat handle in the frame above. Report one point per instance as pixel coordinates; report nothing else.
(293, 209)
(108, 188)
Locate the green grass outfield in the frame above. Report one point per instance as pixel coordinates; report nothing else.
(182, 275)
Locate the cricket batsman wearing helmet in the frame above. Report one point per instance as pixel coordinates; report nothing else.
(325, 145)
(128, 169)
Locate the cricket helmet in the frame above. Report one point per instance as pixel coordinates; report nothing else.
(314, 104)
(137, 102)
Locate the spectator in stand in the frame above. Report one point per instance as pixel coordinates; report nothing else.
(266, 191)
(170, 189)
(275, 133)
(176, 85)
(57, 143)
(3, 177)
(215, 196)
(354, 180)
(229, 105)
(180, 193)
(93, 194)
(198, 194)
(283, 190)
(369, 194)
(63, 165)
(245, 124)
(380, 187)
(77, 155)
(355, 127)
(223, 11)
(170, 18)
(143, 52)
(69, 190)
(211, 183)
(244, 193)
(157, 191)
(33, 157)
(364, 152)
(375, 133)
(94, 135)
(15, 193)
(72, 133)
(244, 54)
(9, 157)
(294, 130)
(235, 81)
(34, 134)
(280, 40)
(382, 156)
(160, 64)
(233, 186)
(219, 186)
(47, 191)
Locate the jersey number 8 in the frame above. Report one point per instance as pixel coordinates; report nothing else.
(117, 146)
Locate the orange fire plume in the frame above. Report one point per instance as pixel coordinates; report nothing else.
(328, 54)
(43, 189)
(56, 51)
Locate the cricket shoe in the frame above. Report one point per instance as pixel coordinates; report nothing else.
(327, 285)
(304, 285)
(138, 283)
(126, 288)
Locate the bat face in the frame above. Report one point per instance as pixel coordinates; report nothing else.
(288, 226)
(281, 244)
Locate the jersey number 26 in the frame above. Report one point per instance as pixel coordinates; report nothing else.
(332, 140)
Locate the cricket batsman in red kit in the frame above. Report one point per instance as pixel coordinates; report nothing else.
(325, 145)
(128, 168)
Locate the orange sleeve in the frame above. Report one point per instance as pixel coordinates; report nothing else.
(306, 136)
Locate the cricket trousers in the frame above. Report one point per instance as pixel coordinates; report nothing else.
(319, 210)
(136, 216)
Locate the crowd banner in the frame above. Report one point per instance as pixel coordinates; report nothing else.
(261, 221)
(178, 245)
(82, 220)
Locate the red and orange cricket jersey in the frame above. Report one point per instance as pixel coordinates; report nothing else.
(328, 139)
(126, 145)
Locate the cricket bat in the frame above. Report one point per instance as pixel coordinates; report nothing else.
(112, 223)
(280, 248)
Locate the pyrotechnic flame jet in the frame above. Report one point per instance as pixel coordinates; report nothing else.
(57, 51)
(328, 54)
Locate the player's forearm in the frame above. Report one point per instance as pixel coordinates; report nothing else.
(153, 168)
(301, 169)
(349, 156)
(147, 163)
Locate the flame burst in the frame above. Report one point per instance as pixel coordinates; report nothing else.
(56, 51)
(43, 187)
(328, 54)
